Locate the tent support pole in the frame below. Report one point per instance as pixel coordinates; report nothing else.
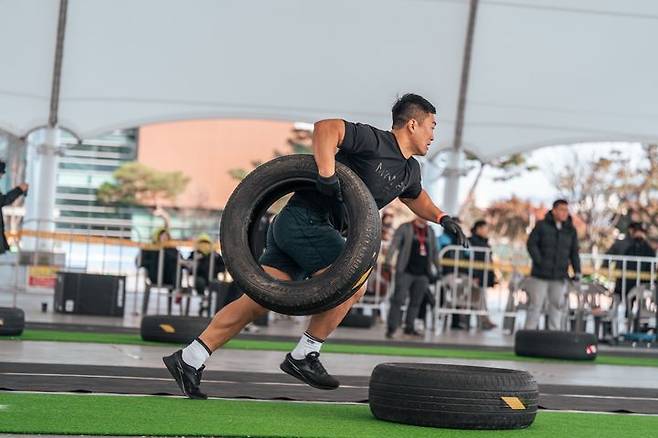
(455, 169)
(46, 148)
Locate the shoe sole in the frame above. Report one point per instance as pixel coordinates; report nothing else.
(287, 368)
(170, 363)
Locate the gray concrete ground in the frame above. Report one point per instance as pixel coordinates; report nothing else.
(280, 325)
(340, 364)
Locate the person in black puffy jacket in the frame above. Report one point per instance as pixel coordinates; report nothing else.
(638, 247)
(553, 246)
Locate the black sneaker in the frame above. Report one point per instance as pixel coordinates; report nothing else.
(309, 370)
(186, 376)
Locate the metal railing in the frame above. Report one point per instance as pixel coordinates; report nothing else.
(463, 285)
(96, 251)
(624, 296)
(603, 295)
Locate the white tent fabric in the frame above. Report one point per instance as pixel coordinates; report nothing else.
(543, 72)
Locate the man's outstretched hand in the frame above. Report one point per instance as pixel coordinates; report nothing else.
(453, 228)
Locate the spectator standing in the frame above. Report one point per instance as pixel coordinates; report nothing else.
(638, 247)
(553, 246)
(7, 199)
(620, 246)
(414, 242)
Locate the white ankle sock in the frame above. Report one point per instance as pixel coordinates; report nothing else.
(306, 345)
(196, 354)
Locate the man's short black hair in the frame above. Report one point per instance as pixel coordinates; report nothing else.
(637, 226)
(410, 106)
(559, 202)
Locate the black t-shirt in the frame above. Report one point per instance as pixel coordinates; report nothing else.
(376, 157)
(417, 264)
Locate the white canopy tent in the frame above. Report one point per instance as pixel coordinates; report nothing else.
(540, 72)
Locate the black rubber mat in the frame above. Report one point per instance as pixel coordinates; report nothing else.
(157, 381)
(279, 386)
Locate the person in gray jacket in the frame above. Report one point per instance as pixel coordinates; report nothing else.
(415, 244)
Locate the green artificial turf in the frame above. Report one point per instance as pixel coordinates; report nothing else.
(384, 350)
(130, 415)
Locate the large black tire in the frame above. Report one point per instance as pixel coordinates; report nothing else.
(174, 329)
(12, 321)
(555, 344)
(453, 396)
(251, 199)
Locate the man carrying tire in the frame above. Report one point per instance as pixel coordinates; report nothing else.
(302, 242)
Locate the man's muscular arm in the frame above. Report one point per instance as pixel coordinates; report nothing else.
(424, 207)
(327, 135)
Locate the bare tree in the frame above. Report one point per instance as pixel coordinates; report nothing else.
(504, 169)
(609, 192)
(511, 219)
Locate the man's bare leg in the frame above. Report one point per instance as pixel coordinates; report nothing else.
(234, 317)
(323, 324)
(187, 364)
(303, 361)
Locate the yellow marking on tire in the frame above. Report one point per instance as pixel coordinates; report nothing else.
(514, 403)
(167, 328)
(362, 280)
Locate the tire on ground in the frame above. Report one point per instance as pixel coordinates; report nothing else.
(251, 199)
(12, 321)
(453, 396)
(555, 344)
(175, 329)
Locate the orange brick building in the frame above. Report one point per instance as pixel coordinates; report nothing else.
(206, 150)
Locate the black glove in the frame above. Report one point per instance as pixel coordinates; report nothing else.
(329, 187)
(453, 228)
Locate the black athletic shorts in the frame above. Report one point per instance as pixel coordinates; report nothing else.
(301, 241)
